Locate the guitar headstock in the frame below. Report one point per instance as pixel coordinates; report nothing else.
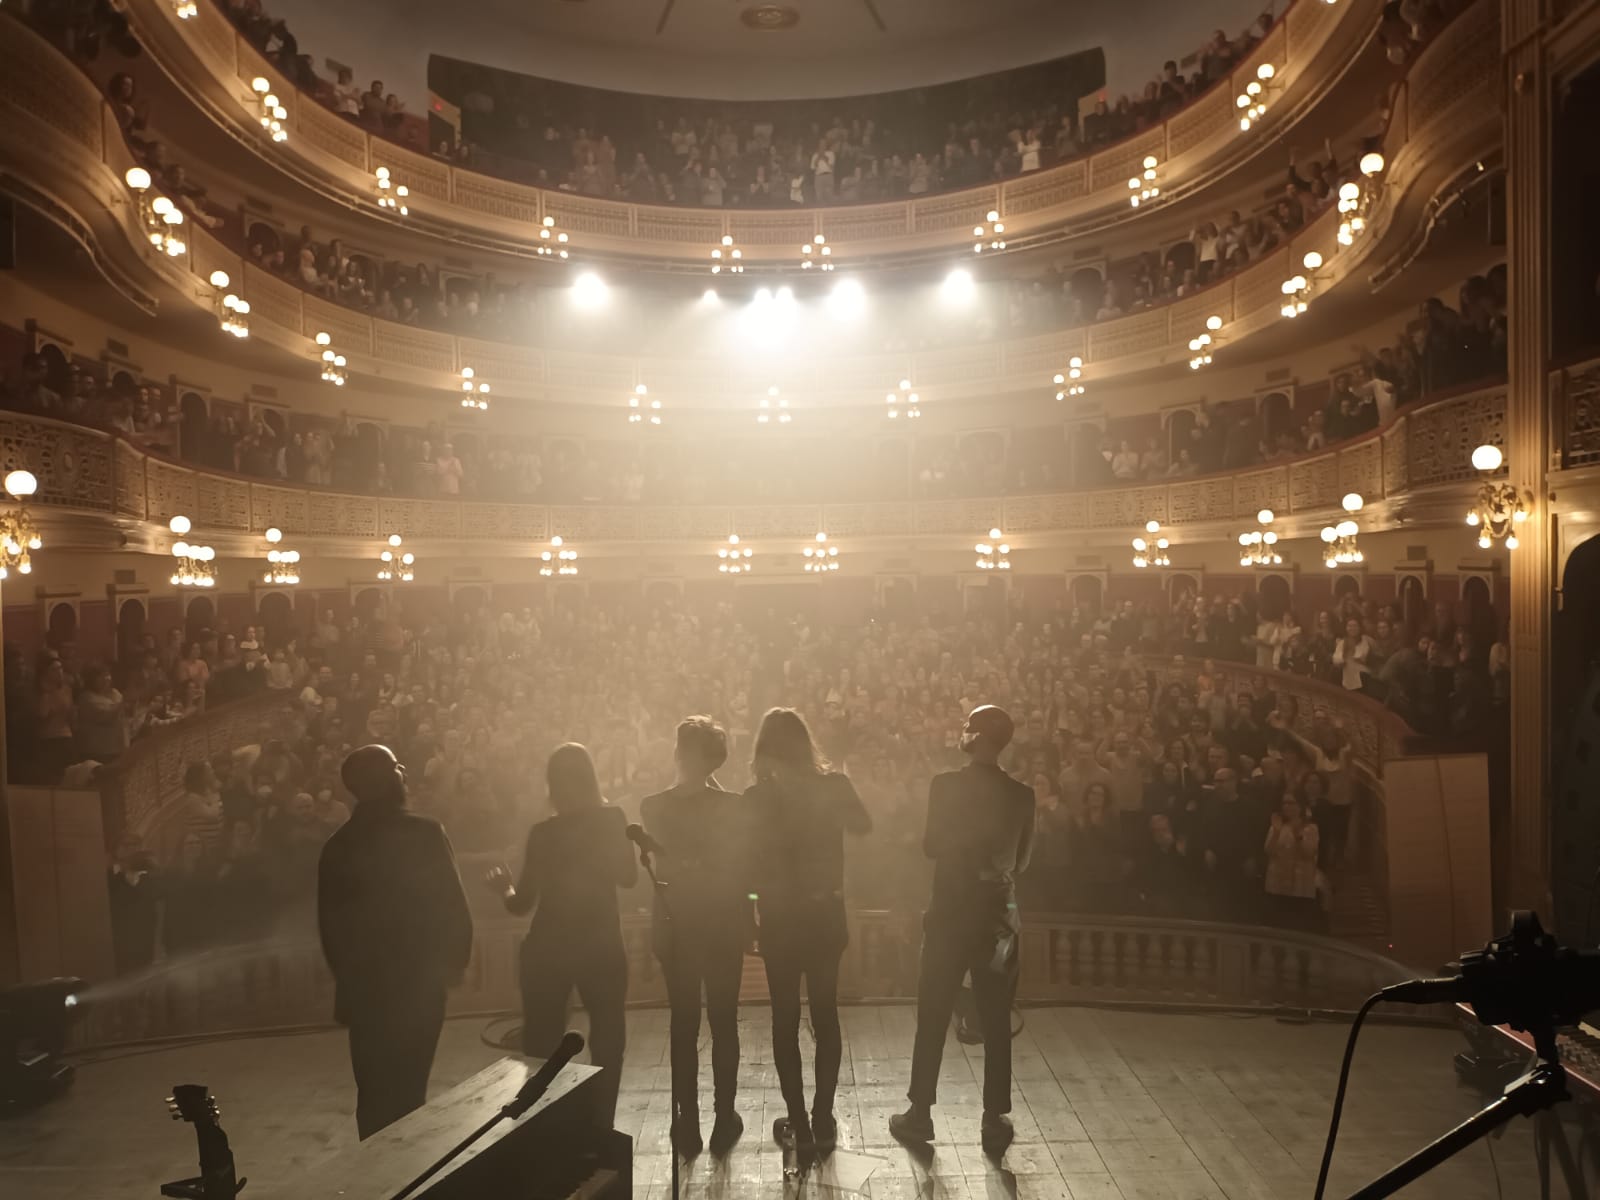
(194, 1103)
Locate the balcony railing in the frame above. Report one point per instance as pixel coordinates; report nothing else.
(1065, 960)
(1447, 103)
(97, 472)
(1308, 49)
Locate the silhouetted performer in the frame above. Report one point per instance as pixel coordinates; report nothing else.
(396, 933)
(574, 864)
(701, 926)
(980, 833)
(800, 812)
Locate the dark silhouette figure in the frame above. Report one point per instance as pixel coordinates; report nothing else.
(979, 836)
(396, 933)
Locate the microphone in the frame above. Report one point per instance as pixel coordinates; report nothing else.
(647, 844)
(539, 1082)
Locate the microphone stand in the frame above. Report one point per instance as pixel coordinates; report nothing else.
(1544, 1085)
(661, 892)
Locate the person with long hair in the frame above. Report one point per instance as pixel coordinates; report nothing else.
(573, 865)
(799, 812)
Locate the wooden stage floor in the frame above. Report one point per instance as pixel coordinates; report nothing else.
(1110, 1104)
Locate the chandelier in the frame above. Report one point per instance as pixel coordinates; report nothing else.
(642, 411)
(822, 256)
(993, 555)
(1354, 201)
(988, 234)
(1200, 347)
(283, 566)
(904, 400)
(1339, 546)
(734, 559)
(552, 241)
(394, 566)
(392, 197)
(270, 112)
(474, 392)
(727, 256)
(333, 367)
(559, 559)
(232, 313)
(1499, 507)
(18, 534)
(1144, 187)
(158, 214)
(1073, 372)
(774, 408)
(185, 10)
(1260, 548)
(196, 564)
(1297, 291)
(1252, 102)
(822, 556)
(1148, 553)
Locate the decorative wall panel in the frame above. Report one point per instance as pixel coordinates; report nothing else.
(1443, 436)
(1314, 484)
(72, 465)
(128, 474)
(283, 508)
(422, 349)
(220, 502)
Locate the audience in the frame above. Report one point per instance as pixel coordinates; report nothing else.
(1158, 790)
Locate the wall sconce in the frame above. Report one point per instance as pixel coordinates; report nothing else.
(1066, 381)
(993, 555)
(904, 400)
(1498, 508)
(988, 235)
(1200, 347)
(560, 559)
(1339, 546)
(734, 559)
(773, 408)
(552, 241)
(1148, 554)
(1355, 201)
(233, 314)
(1297, 291)
(474, 392)
(394, 564)
(18, 534)
(1252, 102)
(269, 111)
(1144, 187)
(822, 557)
(391, 196)
(1260, 548)
(823, 253)
(643, 410)
(727, 257)
(283, 566)
(333, 365)
(196, 564)
(159, 215)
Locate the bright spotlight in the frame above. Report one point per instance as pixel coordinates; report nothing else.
(958, 287)
(709, 296)
(589, 290)
(848, 299)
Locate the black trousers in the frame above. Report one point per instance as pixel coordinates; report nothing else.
(805, 946)
(597, 966)
(692, 960)
(391, 1054)
(948, 954)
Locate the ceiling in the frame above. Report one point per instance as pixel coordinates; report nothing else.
(756, 49)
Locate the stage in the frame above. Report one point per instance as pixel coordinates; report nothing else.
(1136, 1105)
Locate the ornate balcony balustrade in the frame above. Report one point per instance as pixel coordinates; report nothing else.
(1066, 960)
(95, 472)
(1444, 113)
(1308, 49)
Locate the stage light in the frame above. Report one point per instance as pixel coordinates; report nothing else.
(958, 287)
(590, 291)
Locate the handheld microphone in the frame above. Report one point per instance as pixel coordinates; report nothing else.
(637, 835)
(539, 1082)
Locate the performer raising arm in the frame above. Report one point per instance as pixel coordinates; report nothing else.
(979, 836)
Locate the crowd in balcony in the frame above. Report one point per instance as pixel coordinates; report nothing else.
(1160, 788)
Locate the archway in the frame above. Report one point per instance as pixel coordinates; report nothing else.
(199, 615)
(1087, 593)
(1413, 605)
(1478, 611)
(57, 372)
(1273, 596)
(1346, 585)
(131, 616)
(1179, 426)
(1181, 586)
(368, 604)
(1277, 417)
(275, 611)
(469, 603)
(61, 626)
(1088, 288)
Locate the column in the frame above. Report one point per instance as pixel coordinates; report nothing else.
(1528, 448)
(10, 966)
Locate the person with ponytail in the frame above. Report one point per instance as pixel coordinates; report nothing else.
(574, 864)
(799, 812)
